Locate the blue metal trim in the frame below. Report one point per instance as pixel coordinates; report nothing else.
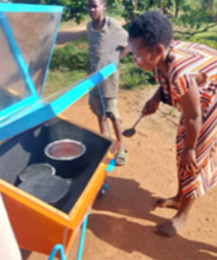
(40, 112)
(11, 110)
(16, 53)
(30, 8)
(83, 232)
(25, 120)
(58, 248)
(49, 61)
(111, 165)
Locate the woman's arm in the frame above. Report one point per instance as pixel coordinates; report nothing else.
(190, 105)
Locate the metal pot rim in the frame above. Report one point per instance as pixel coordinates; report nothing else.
(64, 141)
(51, 167)
(53, 170)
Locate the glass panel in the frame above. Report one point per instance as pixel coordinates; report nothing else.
(26, 41)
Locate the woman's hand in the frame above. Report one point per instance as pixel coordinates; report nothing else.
(188, 160)
(150, 106)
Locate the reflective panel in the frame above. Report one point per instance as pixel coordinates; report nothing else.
(26, 40)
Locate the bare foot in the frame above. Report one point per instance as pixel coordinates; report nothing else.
(173, 203)
(169, 228)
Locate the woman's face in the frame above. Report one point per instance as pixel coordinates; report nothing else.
(143, 57)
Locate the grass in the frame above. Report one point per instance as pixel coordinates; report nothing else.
(81, 43)
(209, 38)
(58, 80)
(211, 34)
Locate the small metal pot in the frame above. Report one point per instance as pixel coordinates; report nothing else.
(66, 156)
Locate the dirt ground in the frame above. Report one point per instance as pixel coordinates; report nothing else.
(121, 224)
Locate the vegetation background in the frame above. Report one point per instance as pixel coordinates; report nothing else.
(193, 20)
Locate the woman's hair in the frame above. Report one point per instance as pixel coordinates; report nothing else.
(153, 28)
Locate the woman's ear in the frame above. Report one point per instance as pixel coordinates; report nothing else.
(160, 49)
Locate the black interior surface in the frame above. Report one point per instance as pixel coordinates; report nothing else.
(28, 148)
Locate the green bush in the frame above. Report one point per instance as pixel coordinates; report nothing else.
(70, 57)
(136, 77)
(74, 57)
(127, 59)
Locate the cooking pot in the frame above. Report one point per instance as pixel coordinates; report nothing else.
(66, 156)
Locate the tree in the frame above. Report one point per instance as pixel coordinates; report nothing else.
(72, 9)
(192, 16)
(177, 7)
(197, 17)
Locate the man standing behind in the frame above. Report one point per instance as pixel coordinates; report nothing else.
(107, 44)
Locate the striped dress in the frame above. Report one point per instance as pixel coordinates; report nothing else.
(185, 61)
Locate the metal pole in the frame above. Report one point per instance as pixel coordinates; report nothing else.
(55, 250)
(83, 231)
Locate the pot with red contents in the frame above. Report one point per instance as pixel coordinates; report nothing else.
(67, 156)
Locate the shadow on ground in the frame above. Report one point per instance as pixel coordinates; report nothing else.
(130, 235)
